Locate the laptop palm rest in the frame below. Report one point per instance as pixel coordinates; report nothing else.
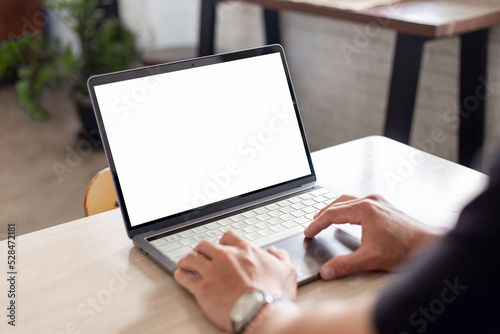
(308, 255)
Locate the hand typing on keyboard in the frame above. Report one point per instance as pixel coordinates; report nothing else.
(218, 274)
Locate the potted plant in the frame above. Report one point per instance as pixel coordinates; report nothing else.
(105, 46)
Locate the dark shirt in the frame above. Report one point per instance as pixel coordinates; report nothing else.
(455, 288)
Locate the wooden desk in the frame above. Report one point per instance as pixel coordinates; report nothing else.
(85, 276)
(415, 21)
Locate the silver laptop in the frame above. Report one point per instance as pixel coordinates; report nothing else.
(212, 144)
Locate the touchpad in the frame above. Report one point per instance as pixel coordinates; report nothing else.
(308, 255)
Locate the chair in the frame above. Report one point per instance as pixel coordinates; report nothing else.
(100, 195)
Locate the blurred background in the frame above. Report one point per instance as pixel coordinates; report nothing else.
(49, 151)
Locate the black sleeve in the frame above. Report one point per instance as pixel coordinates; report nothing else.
(455, 288)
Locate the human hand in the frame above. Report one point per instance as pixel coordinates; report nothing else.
(388, 237)
(218, 274)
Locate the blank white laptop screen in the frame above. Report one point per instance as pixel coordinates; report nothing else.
(189, 138)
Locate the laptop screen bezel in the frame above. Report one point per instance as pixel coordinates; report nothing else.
(213, 208)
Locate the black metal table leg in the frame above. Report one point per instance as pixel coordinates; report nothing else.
(271, 19)
(403, 89)
(473, 94)
(207, 28)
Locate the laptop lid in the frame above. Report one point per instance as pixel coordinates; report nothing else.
(192, 138)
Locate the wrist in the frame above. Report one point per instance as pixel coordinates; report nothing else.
(253, 307)
(272, 318)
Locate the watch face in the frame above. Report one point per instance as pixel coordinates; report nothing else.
(246, 305)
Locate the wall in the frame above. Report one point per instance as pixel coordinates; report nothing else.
(162, 23)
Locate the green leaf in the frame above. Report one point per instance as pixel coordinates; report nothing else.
(31, 106)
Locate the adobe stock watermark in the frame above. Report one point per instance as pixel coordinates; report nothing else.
(365, 35)
(31, 26)
(407, 165)
(247, 151)
(452, 118)
(124, 106)
(421, 318)
(88, 310)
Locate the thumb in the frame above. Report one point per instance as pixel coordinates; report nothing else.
(343, 265)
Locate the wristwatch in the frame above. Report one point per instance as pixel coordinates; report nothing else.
(248, 305)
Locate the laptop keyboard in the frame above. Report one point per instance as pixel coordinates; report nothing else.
(263, 225)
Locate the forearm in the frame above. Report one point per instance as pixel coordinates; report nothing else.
(329, 317)
(427, 238)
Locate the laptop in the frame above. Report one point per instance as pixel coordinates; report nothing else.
(207, 145)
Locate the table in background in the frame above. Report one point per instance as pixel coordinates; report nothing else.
(415, 21)
(86, 276)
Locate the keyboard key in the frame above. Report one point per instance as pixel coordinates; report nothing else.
(286, 217)
(263, 216)
(286, 209)
(261, 210)
(302, 220)
(306, 196)
(310, 216)
(275, 213)
(310, 209)
(331, 196)
(213, 226)
(225, 221)
(319, 206)
(239, 225)
(265, 232)
(272, 206)
(173, 237)
(199, 229)
(277, 228)
(214, 234)
(289, 224)
(298, 206)
(274, 237)
(200, 237)
(320, 199)
(274, 221)
(263, 225)
(237, 218)
(186, 233)
(298, 213)
(188, 241)
(284, 202)
(251, 221)
(159, 242)
(252, 236)
(249, 214)
(309, 202)
(250, 229)
(319, 191)
(295, 199)
(179, 252)
(170, 246)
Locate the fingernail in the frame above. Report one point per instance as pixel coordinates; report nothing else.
(327, 273)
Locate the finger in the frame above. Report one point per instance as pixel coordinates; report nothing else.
(336, 214)
(194, 262)
(208, 249)
(280, 253)
(231, 238)
(345, 265)
(187, 279)
(341, 199)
